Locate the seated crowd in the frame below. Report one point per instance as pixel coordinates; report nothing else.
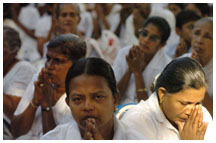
(69, 68)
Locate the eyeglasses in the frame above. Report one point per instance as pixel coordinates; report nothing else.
(152, 38)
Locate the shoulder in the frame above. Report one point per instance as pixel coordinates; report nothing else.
(142, 119)
(131, 133)
(63, 132)
(138, 114)
(25, 67)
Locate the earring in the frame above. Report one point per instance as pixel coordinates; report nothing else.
(161, 101)
(115, 108)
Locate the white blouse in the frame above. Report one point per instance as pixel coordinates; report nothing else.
(70, 131)
(147, 118)
(154, 67)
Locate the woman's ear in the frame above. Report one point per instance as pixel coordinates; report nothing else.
(161, 94)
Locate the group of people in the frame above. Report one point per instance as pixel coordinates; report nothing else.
(92, 59)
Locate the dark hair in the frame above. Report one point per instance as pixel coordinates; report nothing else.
(186, 16)
(204, 8)
(69, 45)
(92, 66)
(180, 74)
(11, 37)
(58, 8)
(162, 25)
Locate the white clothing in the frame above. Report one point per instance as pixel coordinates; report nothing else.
(70, 131)
(114, 17)
(155, 66)
(17, 79)
(109, 45)
(147, 118)
(86, 24)
(130, 37)
(43, 26)
(61, 112)
(28, 16)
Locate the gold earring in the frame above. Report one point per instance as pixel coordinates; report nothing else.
(115, 108)
(161, 101)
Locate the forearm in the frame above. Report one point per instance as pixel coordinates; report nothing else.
(123, 83)
(27, 31)
(22, 123)
(48, 120)
(141, 91)
(10, 104)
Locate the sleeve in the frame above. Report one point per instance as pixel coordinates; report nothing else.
(29, 16)
(22, 77)
(43, 26)
(141, 121)
(27, 97)
(120, 64)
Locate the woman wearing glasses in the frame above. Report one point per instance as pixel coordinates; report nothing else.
(136, 66)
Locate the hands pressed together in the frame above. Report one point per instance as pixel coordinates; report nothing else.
(136, 60)
(45, 91)
(194, 128)
(91, 131)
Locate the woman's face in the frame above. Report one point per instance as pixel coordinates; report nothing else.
(91, 97)
(150, 39)
(68, 19)
(57, 65)
(177, 106)
(202, 42)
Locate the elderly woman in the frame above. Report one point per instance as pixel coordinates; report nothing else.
(92, 96)
(17, 74)
(174, 110)
(43, 105)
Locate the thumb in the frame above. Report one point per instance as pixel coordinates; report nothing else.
(180, 126)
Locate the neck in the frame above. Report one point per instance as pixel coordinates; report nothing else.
(171, 122)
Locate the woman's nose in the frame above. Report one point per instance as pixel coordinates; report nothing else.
(88, 106)
(49, 64)
(189, 109)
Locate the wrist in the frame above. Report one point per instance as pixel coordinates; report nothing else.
(46, 109)
(33, 104)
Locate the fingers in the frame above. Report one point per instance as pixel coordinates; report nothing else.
(180, 126)
(200, 112)
(189, 120)
(197, 116)
(88, 134)
(202, 130)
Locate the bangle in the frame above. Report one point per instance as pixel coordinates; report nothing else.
(32, 104)
(142, 90)
(46, 109)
